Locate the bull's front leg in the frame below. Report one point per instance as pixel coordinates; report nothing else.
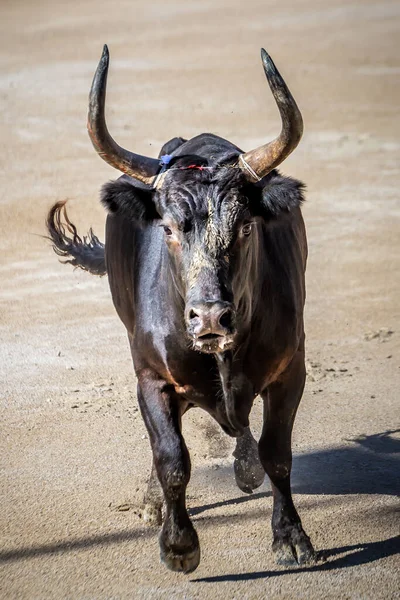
(291, 544)
(249, 472)
(162, 411)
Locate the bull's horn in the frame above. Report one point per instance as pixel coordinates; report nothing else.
(259, 162)
(137, 166)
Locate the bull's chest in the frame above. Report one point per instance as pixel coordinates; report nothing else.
(197, 381)
(203, 387)
(196, 377)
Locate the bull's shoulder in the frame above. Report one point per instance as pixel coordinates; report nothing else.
(133, 258)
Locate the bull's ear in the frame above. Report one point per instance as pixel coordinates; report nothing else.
(130, 201)
(280, 194)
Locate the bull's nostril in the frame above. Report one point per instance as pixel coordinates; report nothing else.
(192, 314)
(225, 320)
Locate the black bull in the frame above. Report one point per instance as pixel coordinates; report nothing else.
(205, 254)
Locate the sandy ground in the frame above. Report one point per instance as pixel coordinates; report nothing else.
(74, 452)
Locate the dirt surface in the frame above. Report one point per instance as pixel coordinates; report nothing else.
(74, 452)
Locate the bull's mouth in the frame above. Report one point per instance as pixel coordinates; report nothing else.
(209, 336)
(213, 343)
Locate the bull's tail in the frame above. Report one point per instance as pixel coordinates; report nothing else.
(87, 253)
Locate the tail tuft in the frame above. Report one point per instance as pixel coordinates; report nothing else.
(87, 253)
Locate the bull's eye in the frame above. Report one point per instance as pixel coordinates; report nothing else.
(246, 229)
(168, 230)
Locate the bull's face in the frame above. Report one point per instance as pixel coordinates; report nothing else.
(210, 220)
(208, 231)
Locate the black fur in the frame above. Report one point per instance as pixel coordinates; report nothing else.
(127, 199)
(273, 195)
(171, 146)
(280, 194)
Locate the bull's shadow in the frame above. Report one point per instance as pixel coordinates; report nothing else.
(370, 465)
(358, 554)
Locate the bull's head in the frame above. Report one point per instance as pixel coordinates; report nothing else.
(210, 206)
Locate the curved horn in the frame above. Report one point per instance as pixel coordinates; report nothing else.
(140, 167)
(259, 162)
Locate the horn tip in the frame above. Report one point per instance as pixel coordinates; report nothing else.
(268, 63)
(105, 53)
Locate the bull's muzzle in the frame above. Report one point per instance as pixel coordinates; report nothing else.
(211, 325)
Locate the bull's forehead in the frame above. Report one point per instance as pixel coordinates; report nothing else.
(221, 222)
(211, 213)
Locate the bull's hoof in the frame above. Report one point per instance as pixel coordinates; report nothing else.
(294, 549)
(183, 555)
(249, 474)
(152, 514)
(183, 563)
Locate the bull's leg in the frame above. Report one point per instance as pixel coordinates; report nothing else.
(291, 544)
(153, 499)
(249, 472)
(161, 410)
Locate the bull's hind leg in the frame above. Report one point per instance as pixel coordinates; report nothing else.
(153, 500)
(249, 472)
(291, 544)
(162, 411)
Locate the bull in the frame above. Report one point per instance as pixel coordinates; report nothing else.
(205, 253)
